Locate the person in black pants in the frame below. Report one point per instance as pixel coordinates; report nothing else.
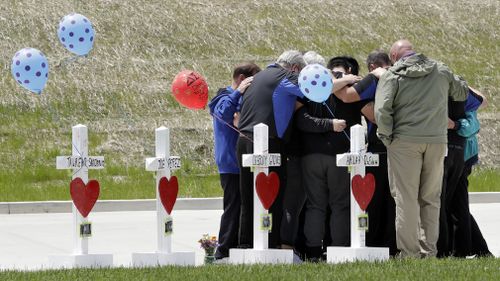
(292, 224)
(478, 245)
(453, 204)
(327, 186)
(465, 242)
(294, 196)
(245, 146)
(223, 108)
(271, 99)
(381, 210)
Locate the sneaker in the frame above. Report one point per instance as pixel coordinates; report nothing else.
(219, 254)
(485, 254)
(296, 258)
(480, 255)
(314, 260)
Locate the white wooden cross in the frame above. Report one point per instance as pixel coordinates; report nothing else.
(162, 164)
(357, 159)
(80, 162)
(260, 160)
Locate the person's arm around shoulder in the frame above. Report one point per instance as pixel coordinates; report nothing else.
(341, 83)
(368, 112)
(288, 86)
(347, 95)
(484, 101)
(361, 90)
(227, 103)
(469, 125)
(383, 108)
(310, 124)
(458, 87)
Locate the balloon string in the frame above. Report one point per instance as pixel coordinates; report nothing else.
(68, 60)
(77, 5)
(77, 151)
(232, 127)
(333, 115)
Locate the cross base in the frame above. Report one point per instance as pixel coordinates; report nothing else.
(348, 254)
(268, 256)
(81, 261)
(160, 259)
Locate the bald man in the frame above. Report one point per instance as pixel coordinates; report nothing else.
(411, 114)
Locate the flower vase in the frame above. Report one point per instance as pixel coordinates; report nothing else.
(209, 256)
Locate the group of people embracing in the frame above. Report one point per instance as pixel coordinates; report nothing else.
(420, 118)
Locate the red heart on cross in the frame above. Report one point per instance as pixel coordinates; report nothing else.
(363, 189)
(267, 187)
(84, 195)
(168, 190)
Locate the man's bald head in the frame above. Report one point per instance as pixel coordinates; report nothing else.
(399, 49)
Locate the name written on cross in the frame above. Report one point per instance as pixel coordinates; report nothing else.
(171, 163)
(352, 159)
(76, 162)
(262, 160)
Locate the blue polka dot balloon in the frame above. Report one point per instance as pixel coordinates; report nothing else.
(315, 82)
(30, 68)
(76, 34)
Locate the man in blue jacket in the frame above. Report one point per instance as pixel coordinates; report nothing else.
(224, 108)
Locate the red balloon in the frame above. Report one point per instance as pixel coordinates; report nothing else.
(190, 89)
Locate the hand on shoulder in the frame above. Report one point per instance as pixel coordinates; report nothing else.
(245, 84)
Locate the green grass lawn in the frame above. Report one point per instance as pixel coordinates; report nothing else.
(134, 183)
(116, 182)
(485, 180)
(431, 269)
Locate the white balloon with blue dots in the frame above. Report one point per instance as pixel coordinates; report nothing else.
(76, 34)
(315, 82)
(30, 68)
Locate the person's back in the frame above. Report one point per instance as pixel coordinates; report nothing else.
(271, 99)
(411, 110)
(224, 107)
(259, 102)
(420, 105)
(257, 105)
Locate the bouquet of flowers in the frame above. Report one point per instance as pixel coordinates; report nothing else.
(208, 243)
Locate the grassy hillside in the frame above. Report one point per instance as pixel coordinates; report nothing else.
(121, 90)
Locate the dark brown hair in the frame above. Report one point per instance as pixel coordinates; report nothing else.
(378, 58)
(247, 69)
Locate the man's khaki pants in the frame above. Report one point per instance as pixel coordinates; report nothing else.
(415, 177)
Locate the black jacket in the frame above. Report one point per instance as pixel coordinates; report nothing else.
(315, 122)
